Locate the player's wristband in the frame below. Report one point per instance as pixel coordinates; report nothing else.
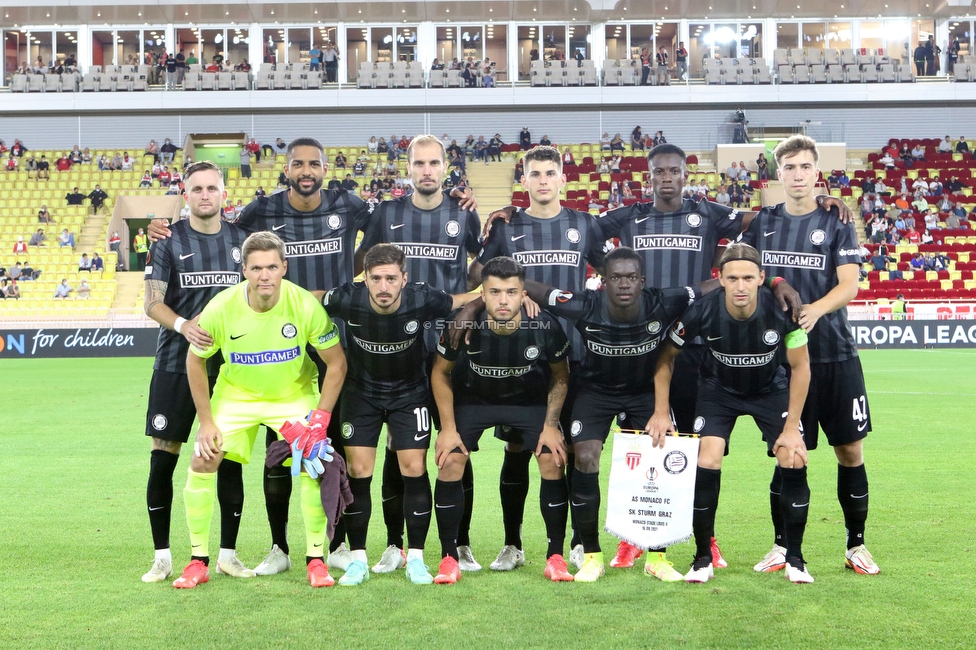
(178, 325)
(773, 281)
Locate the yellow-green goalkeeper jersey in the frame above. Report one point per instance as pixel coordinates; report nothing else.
(264, 353)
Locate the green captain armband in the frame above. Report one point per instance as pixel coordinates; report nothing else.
(795, 339)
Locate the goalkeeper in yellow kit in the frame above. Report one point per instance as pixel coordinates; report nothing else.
(261, 326)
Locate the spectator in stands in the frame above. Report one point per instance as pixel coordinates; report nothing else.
(525, 139)
(18, 149)
(495, 145)
(84, 264)
(931, 221)
(887, 160)
(945, 146)
(97, 198)
(868, 186)
(732, 172)
(487, 78)
(15, 272)
(919, 56)
(115, 164)
(918, 152)
(245, 155)
(167, 152)
(744, 174)
(735, 195)
(954, 221)
(114, 242)
(359, 169)
(255, 149)
(11, 290)
(74, 197)
(906, 156)
(349, 184)
(146, 182)
(104, 164)
(11, 163)
(43, 169)
(703, 189)
(880, 188)
(382, 146)
(140, 243)
(647, 191)
(75, 156)
(659, 139)
(330, 57)
(902, 201)
(722, 196)
(66, 239)
(833, 181)
(97, 263)
(617, 143)
(881, 260)
(900, 223)
(615, 200)
(127, 162)
(920, 204)
(436, 65)
(258, 193)
(605, 142)
(626, 192)
(604, 166)
(935, 187)
(962, 146)
(662, 58)
(615, 163)
(913, 235)
(84, 290)
(166, 178)
(43, 216)
(152, 149)
(63, 289)
(844, 179)
(568, 158)
(545, 141)
(945, 205)
(340, 160)
(38, 238)
(63, 164)
(519, 171)
(479, 152)
(19, 245)
(636, 139)
(173, 189)
(645, 61)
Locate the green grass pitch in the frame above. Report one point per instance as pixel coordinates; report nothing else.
(74, 540)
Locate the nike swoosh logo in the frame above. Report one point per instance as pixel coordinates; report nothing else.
(237, 514)
(419, 438)
(576, 505)
(194, 546)
(556, 505)
(420, 514)
(863, 496)
(701, 509)
(712, 338)
(507, 483)
(395, 496)
(183, 257)
(473, 352)
(591, 329)
(801, 505)
(276, 228)
(439, 506)
(861, 428)
(394, 226)
(352, 324)
(641, 220)
(767, 234)
(347, 513)
(316, 545)
(517, 238)
(234, 338)
(161, 507)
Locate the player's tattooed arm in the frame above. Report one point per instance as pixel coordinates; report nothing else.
(160, 312)
(551, 436)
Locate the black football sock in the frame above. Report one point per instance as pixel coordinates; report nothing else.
(417, 504)
(159, 495)
(707, 487)
(775, 490)
(358, 512)
(449, 500)
(852, 492)
(795, 505)
(514, 489)
(585, 506)
(277, 494)
(392, 492)
(467, 484)
(230, 496)
(554, 502)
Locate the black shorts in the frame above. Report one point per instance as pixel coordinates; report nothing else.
(837, 402)
(171, 410)
(407, 420)
(473, 419)
(515, 436)
(684, 386)
(718, 410)
(593, 413)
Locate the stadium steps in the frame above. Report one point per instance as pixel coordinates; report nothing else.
(92, 233)
(492, 184)
(128, 287)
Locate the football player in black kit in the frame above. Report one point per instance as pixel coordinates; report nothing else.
(512, 371)
(748, 341)
(817, 255)
(183, 273)
(384, 319)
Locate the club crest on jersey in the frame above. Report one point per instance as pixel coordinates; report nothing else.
(699, 424)
(289, 331)
(654, 327)
(675, 462)
(694, 220)
(576, 428)
(818, 236)
(770, 337)
(235, 254)
(159, 422)
(573, 236)
(347, 430)
(411, 327)
(531, 352)
(334, 221)
(452, 228)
